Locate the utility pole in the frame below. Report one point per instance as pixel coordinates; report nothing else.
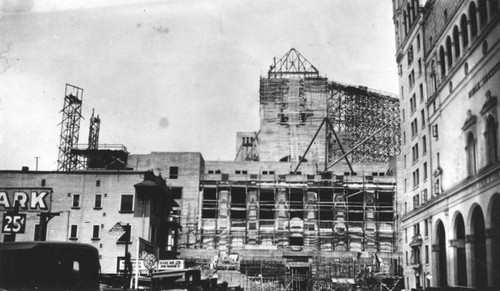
(45, 217)
(128, 265)
(36, 167)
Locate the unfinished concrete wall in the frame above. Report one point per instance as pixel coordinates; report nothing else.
(182, 171)
(291, 111)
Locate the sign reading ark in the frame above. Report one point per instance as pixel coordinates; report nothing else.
(30, 199)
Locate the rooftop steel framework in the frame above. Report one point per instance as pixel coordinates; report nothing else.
(292, 64)
(70, 128)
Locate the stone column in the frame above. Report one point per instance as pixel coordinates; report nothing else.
(469, 31)
(471, 262)
(436, 275)
(452, 263)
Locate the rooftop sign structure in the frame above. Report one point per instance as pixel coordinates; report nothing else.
(291, 65)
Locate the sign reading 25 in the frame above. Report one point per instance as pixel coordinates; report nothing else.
(13, 223)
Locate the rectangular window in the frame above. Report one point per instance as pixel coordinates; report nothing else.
(406, 235)
(414, 151)
(424, 145)
(98, 183)
(425, 171)
(422, 115)
(407, 262)
(73, 235)
(127, 203)
(404, 161)
(43, 182)
(437, 187)
(410, 55)
(421, 90)
(426, 227)
(413, 103)
(424, 196)
(416, 178)
(416, 201)
(419, 67)
(98, 201)
(435, 131)
(95, 232)
(416, 229)
(76, 201)
(174, 172)
(418, 42)
(176, 192)
(426, 254)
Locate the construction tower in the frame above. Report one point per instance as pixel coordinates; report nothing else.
(70, 129)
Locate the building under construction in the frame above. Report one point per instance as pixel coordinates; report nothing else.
(309, 196)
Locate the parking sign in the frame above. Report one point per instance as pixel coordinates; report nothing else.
(13, 223)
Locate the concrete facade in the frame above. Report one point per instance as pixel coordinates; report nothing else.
(450, 235)
(83, 217)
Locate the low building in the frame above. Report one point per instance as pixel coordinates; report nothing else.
(91, 207)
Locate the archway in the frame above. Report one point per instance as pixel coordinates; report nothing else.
(479, 253)
(461, 262)
(442, 272)
(495, 225)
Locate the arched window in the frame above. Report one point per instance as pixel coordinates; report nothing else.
(442, 62)
(491, 140)
(483, 12)
(449, 53)
(471, 154)
(473, 19)
(463, 29)
(456, 41)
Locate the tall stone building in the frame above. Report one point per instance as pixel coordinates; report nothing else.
(448, 58)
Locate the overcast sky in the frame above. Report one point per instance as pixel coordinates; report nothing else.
(171, 75)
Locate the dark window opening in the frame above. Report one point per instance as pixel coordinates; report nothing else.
(73, 232)
(176, 192)
(98, 201)
(95, 232)
(127, 203)
(76, 201)
(209, 205)
(297, 203)
(296, 241)
(43, 182)
(355, 203)
(238, 203)
(98, 183)
(385, 206)
(173, 173)
(266, 203)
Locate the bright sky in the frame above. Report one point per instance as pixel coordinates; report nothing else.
(171, 75)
